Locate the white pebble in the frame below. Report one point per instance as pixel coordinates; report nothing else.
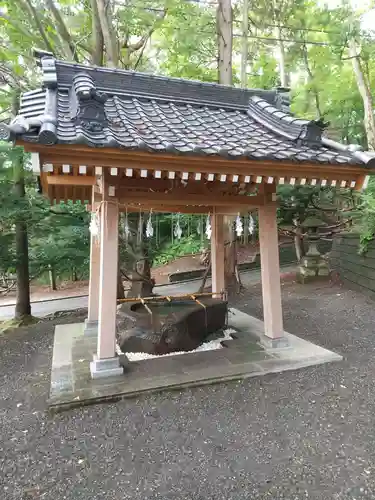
(206, 346)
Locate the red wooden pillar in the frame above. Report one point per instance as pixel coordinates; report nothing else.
(217, 253)
(106, 362)
(270, 272)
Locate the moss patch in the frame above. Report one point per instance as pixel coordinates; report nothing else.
(14, 323)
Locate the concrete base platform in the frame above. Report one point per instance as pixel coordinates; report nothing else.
(91, 328)
(242, 357)
(103, 368)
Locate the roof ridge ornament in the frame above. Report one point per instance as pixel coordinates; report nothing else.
(311, 132)
(85, 88)
(47, 61)
(87, 103)
(307, 132)
(282, 99)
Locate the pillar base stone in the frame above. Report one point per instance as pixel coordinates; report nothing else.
(270, 343)
(91, 328)
(107, 367)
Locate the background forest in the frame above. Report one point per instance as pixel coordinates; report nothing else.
(323, 53)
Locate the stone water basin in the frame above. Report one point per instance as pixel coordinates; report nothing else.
(162, 327)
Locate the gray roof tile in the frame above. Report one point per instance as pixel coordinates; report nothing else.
(104, 107)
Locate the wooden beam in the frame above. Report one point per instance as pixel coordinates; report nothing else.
(193, 186)
(113, 157)
(178, 196)
(139, 183)
(182, 209)
(270, 271)
(71, 180)
(217, 253)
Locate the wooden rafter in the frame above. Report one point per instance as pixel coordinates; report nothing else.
(171, 181)
(123, 159)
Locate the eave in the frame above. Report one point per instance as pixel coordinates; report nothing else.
(112, 157)
(145, 181)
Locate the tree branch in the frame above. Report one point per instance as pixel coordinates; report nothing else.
(311, 80)
(133, 280)
(133, 47)
(69, 48)
(140, 56)
(27, 5)
(16, 25)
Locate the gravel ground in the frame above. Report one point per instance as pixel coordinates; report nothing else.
(303, 434)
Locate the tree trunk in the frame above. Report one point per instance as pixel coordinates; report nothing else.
(74, 274)
(120, 285)
(284, 73)
(230, 253)
(298, 245)
(224, 24)
(23, 307)
(97, 36)
(62, 31)
(52, 277)
(246, 231)
(108, 33)
(365, 91)
(205, 276)
(142, 284)
(313, 87)
(244, 47)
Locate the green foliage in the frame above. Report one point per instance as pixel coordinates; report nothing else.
(297, 203)
(264, 71)
(177, 38)
(185, 246)
(366, 217)
(60, 238)
(58, 235)
(186, 42)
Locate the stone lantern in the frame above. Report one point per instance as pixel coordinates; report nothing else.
(312, 265)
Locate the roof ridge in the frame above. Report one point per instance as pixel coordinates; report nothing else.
(144, 74)
(300, 130)
(150, 86)
(309, 132)
(78, 105)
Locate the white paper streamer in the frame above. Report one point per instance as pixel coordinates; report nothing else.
(178, 230)
(251, 225)
(239, 226)
(208, 227)
(127, 231)
(94, 226)
(140, 229)
(149, 228)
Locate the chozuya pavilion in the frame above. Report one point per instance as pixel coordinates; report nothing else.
(123, 140)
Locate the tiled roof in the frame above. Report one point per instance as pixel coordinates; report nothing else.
(102, 107)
